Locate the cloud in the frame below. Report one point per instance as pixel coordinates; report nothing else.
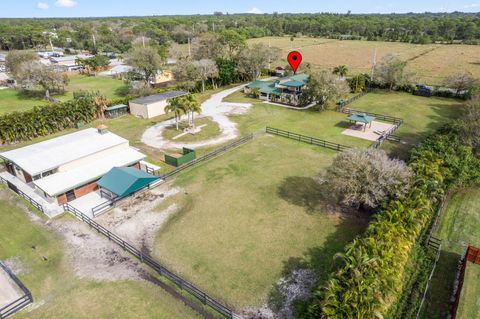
(471, 5)
(66, 3)
(255, 10)
(43, 5)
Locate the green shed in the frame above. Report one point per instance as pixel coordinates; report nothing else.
(124, 181)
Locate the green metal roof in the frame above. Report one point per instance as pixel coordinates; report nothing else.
(361, 117)
(116, 107)
(258, 84)
(293, 83)
(271, 90)
(124, 181)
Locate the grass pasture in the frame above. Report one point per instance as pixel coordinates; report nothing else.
(458, 228)
(250, 215)
(431, 62)
(12, 100)
(56, 290)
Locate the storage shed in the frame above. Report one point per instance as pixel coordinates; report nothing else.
(153, 105)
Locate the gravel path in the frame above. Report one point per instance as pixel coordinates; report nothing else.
(214, 108)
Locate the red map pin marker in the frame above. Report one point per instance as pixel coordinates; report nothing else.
(295, 58)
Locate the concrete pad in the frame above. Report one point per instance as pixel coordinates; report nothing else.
(369, 133)
(87, 202)
(9, 291)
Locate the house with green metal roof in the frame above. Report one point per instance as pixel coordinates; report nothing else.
(286, 90)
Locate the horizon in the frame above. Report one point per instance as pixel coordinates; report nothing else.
(50, 9)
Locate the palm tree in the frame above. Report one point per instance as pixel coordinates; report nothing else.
(192, 106)
(341, 70)
(176, 106)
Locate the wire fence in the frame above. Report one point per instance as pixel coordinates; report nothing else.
(183, 284)
(21, 302)
(307, 139)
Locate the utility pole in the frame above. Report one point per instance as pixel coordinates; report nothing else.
(189, 47)
(51, 45)
(374, 62)
(94, 41)
(143, 40)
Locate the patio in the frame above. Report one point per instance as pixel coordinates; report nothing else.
(372, 132)
(86, 203)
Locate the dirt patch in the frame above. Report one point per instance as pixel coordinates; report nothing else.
(92, 256)
(136, 220)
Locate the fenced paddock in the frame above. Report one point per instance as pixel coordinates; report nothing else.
(12, 292)
(183, 284)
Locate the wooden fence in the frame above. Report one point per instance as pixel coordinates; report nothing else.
(307, 139)
(21, 193)
(21, 302)
(208, 156)
(155, 265)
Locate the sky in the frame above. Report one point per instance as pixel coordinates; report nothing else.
(102, 8)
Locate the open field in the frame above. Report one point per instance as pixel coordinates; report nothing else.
(432, 62)
(12, 100)
(249, 216)
(458, 228)
(469, 306)
(37, 252)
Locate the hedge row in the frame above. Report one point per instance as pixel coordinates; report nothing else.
(45, 120)
(372, 279)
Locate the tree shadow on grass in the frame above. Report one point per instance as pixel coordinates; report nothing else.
(438, 301)
(321, 259)
(302, 191)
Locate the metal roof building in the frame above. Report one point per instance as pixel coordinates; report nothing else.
(153, 105)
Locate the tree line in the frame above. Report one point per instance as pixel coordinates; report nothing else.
(117, 34)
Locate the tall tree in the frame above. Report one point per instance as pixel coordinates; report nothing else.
(460, 82)
(15, 59)
(233, 41)
(145, 60)
(391, 72)
(323, 87)
(252, 60)
(176, 106)
(34, 74)
(206, 69)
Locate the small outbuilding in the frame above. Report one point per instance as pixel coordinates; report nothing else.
(124, 181)
(153, 105)
(116, 111)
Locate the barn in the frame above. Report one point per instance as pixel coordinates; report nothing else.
(153, 105)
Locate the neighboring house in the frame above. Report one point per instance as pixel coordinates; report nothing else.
(69, 60)
(68, 167)
(118, 71)
(286, 90)
(153, 105)
(162, 79)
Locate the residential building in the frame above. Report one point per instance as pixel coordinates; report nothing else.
(69, 60)
(286, 90)
(153, 105)
(68, 167)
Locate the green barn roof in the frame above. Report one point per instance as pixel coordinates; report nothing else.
(123, 181)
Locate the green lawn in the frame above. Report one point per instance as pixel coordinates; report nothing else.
(458, 227)
(421, 115)
(209, 131)
(469, 306)
(248, 216)
(57, 292)
(12, 100)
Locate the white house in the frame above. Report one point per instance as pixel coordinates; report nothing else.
(67, 167)
(153, 105)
